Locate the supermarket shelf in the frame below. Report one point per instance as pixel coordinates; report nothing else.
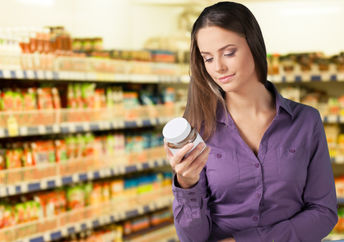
(307, 77)
(160, 233)
(66, 128)
(97, 221)
(90, 76)
(333, 119)
(50, 183)
(337, 160)
(149, 78)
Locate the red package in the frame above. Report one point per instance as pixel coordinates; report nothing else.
(53, 203)
(29, 99)
(45, 98)
(28, 159)
(60, 150)
(43, 152)
(2, 159)
(14, 157)
(56, 98)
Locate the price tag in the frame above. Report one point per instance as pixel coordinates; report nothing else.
(86, 126)
(75, 178)
(326, 77)
(56, 128)
(46, 237)
(58, 182)
(23, 131)
(6, 73)
(153, 121)
(340, 77)
(340, 159)
(11, 190)
(19, 74)
(64, 231)
(40, 75)
(30, 74)
(72, 128)
(140, 210)
(139, 167)
(3, 192)
(49, 75)
(12, 126)
(107, 172)
(121, 169)
(332, 118)
(2, 132)
(341, 119)
(90, 175)
(44, 184)
(41, 129)
(105, 125)
(139, 122)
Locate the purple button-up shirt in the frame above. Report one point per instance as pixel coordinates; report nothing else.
(284, 193)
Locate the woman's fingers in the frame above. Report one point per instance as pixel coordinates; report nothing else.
(190, 159)
(178, 157)
(167, 150)
(195, 166)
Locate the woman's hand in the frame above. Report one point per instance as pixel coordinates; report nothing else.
(227, 240)
(188, 169)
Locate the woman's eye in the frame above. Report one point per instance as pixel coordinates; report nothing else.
(208, 59)
(229, 53)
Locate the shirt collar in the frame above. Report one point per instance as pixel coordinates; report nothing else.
(222, 115)
(281, 102)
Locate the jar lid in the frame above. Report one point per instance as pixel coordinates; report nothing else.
(176, 130)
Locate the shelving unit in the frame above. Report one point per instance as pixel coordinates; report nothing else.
(51, 182)
(334, 83)
(86, 218)
(16, 182)
(92, 76)
(57, 127)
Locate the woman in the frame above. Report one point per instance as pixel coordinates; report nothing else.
(265, 174)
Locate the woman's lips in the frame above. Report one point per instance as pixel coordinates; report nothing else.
(226, 79)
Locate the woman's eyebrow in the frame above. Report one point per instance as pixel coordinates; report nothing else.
(222, 48)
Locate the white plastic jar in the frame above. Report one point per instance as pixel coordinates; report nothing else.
(178, 133)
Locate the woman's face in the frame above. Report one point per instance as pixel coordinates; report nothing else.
(227, 57)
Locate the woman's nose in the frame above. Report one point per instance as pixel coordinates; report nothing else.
(219, 65)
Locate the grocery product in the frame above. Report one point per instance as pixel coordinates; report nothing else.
(43, 152)
(178, 133)
(75, 197)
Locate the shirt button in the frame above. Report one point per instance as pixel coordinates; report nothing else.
(255, 218)
(257, 165)
(218, 155)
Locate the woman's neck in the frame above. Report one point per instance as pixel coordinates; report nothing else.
(252, 99)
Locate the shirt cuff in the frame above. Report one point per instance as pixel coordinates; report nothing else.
(190, 196)
(247, 235)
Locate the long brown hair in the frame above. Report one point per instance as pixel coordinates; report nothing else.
(204, 95)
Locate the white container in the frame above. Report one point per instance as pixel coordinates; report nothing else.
(178, 133)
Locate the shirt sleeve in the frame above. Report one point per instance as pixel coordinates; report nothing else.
(191, 213)
(319, 214)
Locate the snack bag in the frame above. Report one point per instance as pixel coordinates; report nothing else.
(75, 197)
(61, 151)
(14, 158)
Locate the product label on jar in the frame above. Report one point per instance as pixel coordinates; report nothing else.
(196, 142)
